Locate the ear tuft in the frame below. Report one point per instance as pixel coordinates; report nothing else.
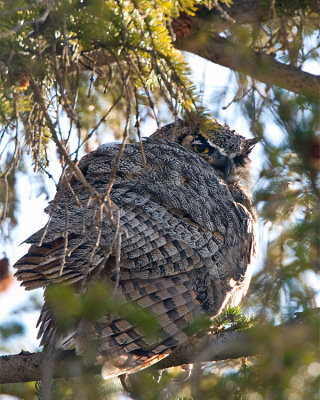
(249, 144)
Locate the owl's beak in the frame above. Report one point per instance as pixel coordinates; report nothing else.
(226, 168)
(250, 143)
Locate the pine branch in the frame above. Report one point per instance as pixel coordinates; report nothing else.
(227, 345)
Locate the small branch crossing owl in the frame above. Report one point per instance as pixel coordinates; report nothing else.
(176, 237)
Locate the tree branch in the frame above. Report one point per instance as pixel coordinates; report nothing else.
(196, 39)
(203, 40)
(26, 367)
(253, 11)
(260, 66)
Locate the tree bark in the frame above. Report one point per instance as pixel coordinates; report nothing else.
(227, 345)
(258, 65)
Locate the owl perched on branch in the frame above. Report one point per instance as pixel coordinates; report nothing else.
(171, 229)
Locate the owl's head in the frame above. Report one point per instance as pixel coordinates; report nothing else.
(224, 149)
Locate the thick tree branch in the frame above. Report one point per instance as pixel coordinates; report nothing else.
(203, 40)
(237, 344)
(25, 367)
(258, 65)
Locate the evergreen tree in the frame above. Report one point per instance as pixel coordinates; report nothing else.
(73, 72)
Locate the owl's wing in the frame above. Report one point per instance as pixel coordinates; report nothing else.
(185, 245)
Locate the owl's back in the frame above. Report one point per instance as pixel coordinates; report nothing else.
(185, 248)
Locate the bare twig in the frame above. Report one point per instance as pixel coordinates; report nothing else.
(100, 199)
(143, 84)
(11, 166)
(223, 12)
(75, 169)
(65, 236)
(40, 19)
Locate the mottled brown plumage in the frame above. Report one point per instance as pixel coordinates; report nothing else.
(187, 239)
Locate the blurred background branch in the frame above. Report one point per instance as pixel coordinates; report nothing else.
(228, 345)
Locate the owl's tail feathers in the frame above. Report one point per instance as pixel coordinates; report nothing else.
(52, 262)
(115, 361)
(128, 365)
(47, 329)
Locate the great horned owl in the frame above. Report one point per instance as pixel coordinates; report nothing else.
(186, 224)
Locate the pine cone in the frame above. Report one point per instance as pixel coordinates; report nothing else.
(183, 25)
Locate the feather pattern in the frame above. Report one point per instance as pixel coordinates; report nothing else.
(187, 242)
